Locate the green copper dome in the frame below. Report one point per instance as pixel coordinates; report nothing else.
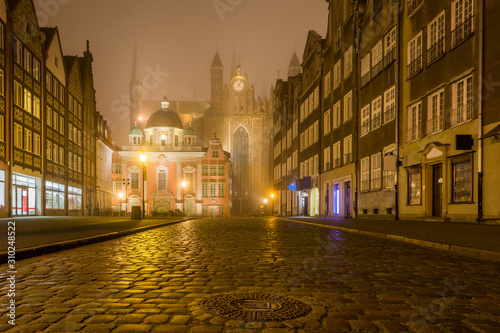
(189, 131)
(135, 131)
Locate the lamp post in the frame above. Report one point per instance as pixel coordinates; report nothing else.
(120, 196)
(183, 185)
(143, 160)
(126, 182)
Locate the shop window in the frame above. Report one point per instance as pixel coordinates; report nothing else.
(462, 180)
(415, 186)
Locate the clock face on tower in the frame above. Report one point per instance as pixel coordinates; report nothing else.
(239, 84)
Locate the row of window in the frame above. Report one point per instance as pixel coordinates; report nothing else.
(75, 134)
(55, 153)
(25, 139)
(75, 107)
(55, 120)
(26, 100)
(28, 62)
(310, 104)
(371, 115)
(462, 26)
(463, 110)
(461, 182)
(75, 162)
(337, 154)
(54, 87)
(310, 136)
(213, 186)
(54, 197)
(336, 114)
(381, 55)
(371, 174)
(337, 73)
(309, 167)
(215, 170)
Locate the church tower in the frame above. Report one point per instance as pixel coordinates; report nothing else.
(294, 68)
(217, 82)
(136, 92)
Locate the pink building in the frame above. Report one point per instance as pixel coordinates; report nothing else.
(178, 174)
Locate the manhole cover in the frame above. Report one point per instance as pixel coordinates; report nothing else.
(256, 307)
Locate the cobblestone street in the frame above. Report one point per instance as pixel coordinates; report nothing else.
(158, 281)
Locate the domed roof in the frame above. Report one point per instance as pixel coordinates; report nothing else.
(164, 118)
(189, 131)
(135, 131)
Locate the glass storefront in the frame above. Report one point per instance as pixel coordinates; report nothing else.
(54, 196)
(74, 198)
(24, 195)
(2, 190)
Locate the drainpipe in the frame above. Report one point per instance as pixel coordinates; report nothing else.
(479, 218)
(397, 8)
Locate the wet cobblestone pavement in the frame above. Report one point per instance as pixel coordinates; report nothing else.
(157, 281)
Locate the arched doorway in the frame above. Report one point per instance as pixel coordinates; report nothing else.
(241, 167)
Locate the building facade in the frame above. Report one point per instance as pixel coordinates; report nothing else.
(408, 116)
(377, 105)
(41, 118)
(340, 119)
(177, 175)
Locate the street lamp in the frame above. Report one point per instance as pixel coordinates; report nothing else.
(143, 160)
(126, 182)
(183, 185)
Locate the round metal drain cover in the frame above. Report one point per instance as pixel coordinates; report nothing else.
(256, 307)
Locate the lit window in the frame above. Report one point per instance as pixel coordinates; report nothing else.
(462, 180)
(414, 186)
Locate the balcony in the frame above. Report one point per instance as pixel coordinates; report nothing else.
(415, 133)
(414, 68)
(462, 32)
(336, 162)
(435, 52)
(376, 69)
(435, 124)
(365, 79)
(463, 113)
(347, 158)
(390, 57)
(413, 4)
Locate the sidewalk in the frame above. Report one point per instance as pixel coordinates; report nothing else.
(478, 240)
(46, 234)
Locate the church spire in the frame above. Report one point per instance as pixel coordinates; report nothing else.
(294, 67)
(216, 62)
(136, 75)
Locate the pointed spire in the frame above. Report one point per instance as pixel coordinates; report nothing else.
(234, 62)
(217, 62)
(136, 75)
(294, 67)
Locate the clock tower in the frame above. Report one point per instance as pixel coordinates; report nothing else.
(243, 125)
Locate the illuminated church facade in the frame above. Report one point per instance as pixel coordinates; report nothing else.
(177, 174)
(241, 122)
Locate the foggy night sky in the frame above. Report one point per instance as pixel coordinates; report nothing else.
(179, 37)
